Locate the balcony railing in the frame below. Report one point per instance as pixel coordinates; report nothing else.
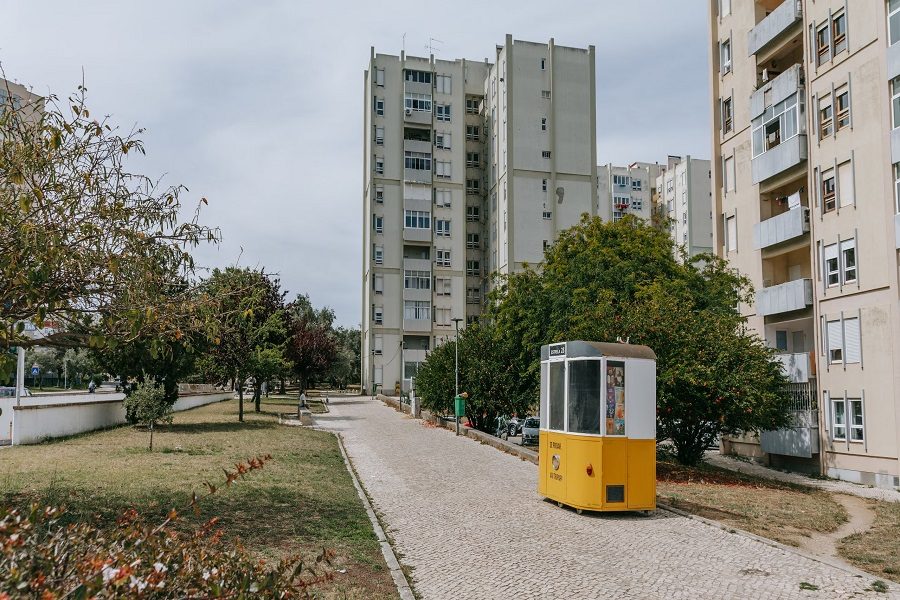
(802, 438)
(799, 367)
(782, 228)
(787, 297)
(778, 22)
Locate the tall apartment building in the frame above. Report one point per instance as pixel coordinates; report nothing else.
(684, 197)
(805, 158)
(627, 190)
(469, 168)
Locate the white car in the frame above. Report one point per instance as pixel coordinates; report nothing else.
(531, 431)
(10, 392)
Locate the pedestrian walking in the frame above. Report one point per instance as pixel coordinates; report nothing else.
(91, 387)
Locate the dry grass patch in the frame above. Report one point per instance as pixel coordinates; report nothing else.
(878, 549)
(302, 500)
(778, 511)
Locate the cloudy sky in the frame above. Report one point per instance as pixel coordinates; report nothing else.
(257, 105)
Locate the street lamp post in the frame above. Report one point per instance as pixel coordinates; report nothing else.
(456, 365)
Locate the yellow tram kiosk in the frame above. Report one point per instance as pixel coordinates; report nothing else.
(598, 426)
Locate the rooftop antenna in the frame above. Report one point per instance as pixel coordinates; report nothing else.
(430, 46)
(404, 42)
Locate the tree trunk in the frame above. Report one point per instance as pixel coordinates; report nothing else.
(257, 393)
(151, 436)
(241, 404)
(282, 391)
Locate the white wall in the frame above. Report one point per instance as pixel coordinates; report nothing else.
(35, 422)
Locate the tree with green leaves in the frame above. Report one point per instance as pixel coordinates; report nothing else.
(248, 307)
(311, 346)
(346, 367)
(88, 246)
(607, 281)
(149, 406)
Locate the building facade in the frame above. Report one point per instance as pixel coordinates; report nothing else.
(684, 198)
(627, 190)
(469, 168)
(805, 158)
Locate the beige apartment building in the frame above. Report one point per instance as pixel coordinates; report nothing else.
(469, 167)
(627, 190)
(805, 165)
(684, 197)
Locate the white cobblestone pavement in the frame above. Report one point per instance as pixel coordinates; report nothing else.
(469, 521)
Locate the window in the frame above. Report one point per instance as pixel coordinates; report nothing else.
(731, 233)
(442, 258)
(832, 268)
(778, 124)
(724, 8)
(417, 102)
(378, 315)
(411, 369)
(839, 418)
(443, 169)
(839, 32)
(545, 94)
(379, 77)
(636, 185)
(378, 283)
(417, 310)
(729, 174)
(894, 21)
(725, 56)
(543, 64)
(473, 186)
(472, 106)
(547, 215)
(442, 112)
(442, 197)
(442, 316)
(826, 121)
(416, 219)
(379, 166)
(545, 154)
(418, 76)
(473, 159)
(543, 185)
(442, 84)
(835, 342)
(543, 123)
(379, 136)
(473, 214)
(442, 286)
(823, 44)
(378, 254)
(473, 240)
(472, 132)
(442, 227)
(379, 195)
(897, 184)
(442, 140)
(852, 340)
(473, 268)
(378, 223)
(856, 420)
(379, 107)
(895, 102)
(637, 204)
(379, 344)
(416, 280)
(584, 398)
(473, 295)
(417, 160)
(848, 261)
(844, 342)
(621, 180)
(845, 184)
(617, 216)
(829, 199)
(727, 115)
(842, 97)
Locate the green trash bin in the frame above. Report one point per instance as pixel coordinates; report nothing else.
(460, 406)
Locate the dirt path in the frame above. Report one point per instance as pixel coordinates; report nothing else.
(861, 516)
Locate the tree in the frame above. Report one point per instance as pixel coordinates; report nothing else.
(311, 346)
(346, 366)
(607, 281)
(249, 313)
(149, 406)
(265, 364)
(87, 247)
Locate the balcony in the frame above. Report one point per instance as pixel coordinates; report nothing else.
(414, 234)
(893, 61)
(802, 439)
(799, 367)
(782, 228)
(781, 158)
(417, 264)
(784, 298)
(416, 325)
(774, 27)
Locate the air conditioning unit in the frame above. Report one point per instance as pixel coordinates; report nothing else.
(408, 112)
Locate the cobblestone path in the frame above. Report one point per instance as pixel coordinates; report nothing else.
(468, 520)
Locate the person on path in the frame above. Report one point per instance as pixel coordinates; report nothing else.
(91, 387)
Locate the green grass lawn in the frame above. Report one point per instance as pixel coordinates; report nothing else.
(302, 500)
(878, 549)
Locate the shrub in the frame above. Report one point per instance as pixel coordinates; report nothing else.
(148, 405)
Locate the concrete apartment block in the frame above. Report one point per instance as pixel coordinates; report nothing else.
(805, 164)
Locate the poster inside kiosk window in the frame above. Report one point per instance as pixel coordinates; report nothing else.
(615, 398)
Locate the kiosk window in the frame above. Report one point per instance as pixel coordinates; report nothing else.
(615, 398)
(557, 395)
(585, 395)
(545, 408)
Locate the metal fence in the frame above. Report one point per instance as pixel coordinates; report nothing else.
(804, 396)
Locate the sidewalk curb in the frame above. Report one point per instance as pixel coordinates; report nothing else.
(403, 586)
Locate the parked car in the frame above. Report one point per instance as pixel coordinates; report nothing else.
(10, 392)
(530, 431)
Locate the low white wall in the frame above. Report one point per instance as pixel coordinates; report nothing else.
(34, 423)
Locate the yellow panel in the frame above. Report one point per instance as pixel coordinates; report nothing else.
(615, 469)
(542, 463)
(557, 445)
(641, 490)
(583, 489)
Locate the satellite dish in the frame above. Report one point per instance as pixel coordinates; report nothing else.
(560, 192)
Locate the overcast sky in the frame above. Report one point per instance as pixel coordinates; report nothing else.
(257, 105)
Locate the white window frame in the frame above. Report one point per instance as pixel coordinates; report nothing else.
(473, 241)
(442, 227)
(731, 237)
(442, 112)
(442, 258)
(726, 56)
(379, 77)
(443, 286)
(378, 254)
(443, 169)
(443, 84)
(846, 247)
(895, 102)
(379, 136)
(473, 268)
(416, 161)
(473, 214)
(378, 315)
(379, 106)
(443, 140)
(379, 165)
(893, 25)
(378, 223)
(851, 420)
(379, 195)
(416, 280)
(839, 41)
(787, 112)
(416, 219)
(473, 133)
(823, 50)
(838, 421)
(416, 310)
(831, 265)
(378, 283)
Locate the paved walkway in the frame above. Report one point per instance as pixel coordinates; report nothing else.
(831, 485)
(468, 520)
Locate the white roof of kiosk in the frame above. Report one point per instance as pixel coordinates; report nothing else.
(576, 349)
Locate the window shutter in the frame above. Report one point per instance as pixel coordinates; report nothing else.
(852, 339)
(845, 181)
(835, 338)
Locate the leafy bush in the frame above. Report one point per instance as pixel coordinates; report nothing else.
(148, 405)
(42, 558)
